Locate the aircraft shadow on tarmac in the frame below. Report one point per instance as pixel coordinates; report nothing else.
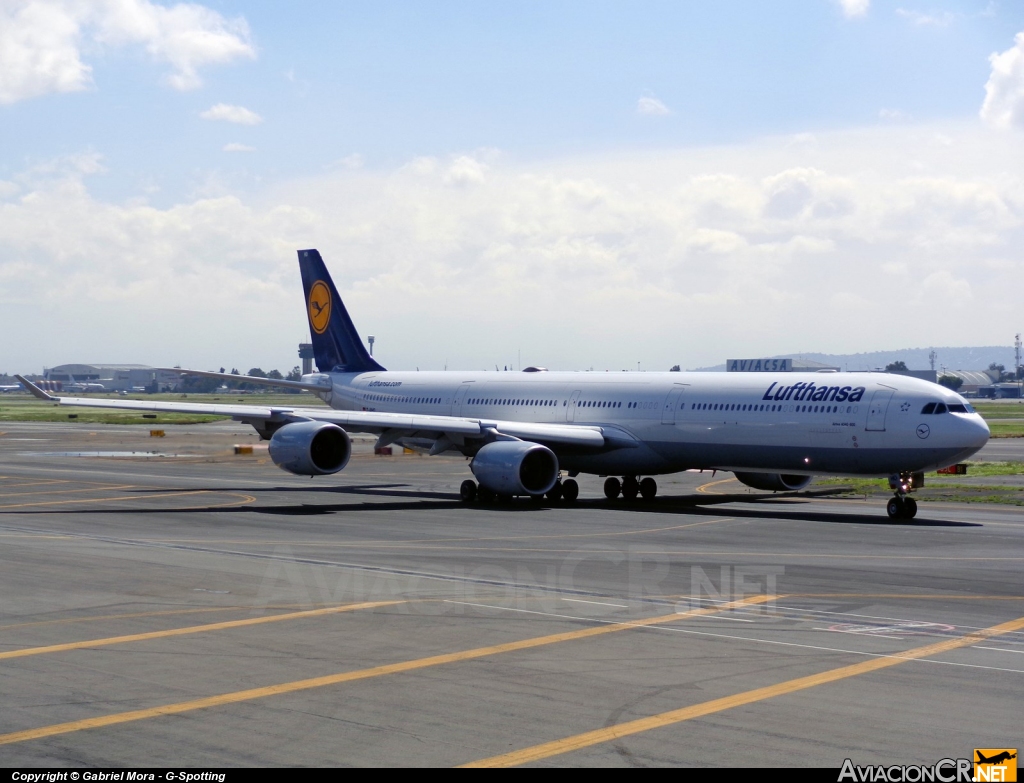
(407, 498)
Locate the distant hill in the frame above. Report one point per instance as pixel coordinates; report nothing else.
(978, 358)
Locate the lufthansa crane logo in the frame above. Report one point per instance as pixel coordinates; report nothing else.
(319, 306)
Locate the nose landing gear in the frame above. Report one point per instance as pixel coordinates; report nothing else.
(901, 505)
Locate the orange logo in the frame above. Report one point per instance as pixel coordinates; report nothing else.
(319, 306)
(995, 764)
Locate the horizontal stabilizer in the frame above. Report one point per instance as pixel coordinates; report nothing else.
(233, 378)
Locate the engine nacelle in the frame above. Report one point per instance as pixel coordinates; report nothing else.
(774, 482)
(515, 467)
(311, 448)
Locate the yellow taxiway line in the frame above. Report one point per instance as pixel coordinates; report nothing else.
(704, 488)
(70, 491)
(141, 637)
(598, 736)
(363, 674)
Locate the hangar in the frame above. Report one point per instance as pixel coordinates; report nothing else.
(111, 377)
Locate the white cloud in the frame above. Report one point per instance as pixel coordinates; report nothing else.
(225, 112)
(236, 147)
(651, 106)
(933, 19)
(42, 41)
(893, 115)
(465, 170)
(743, 248)
(353, 161)
(39, 51)
(943, 288)
(1004, 91)
(854, 8)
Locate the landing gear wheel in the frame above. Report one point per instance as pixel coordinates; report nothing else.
(895, 508)
(909, 508)
(468, 491)
(555, 493)
(570, 490)
(630, 488)
(485, 495)
(612, 487)
(648, 488)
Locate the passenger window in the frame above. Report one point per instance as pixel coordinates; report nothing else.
(929, 408)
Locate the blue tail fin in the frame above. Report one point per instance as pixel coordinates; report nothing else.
(336, 344)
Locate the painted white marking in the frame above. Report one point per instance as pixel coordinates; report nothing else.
(596, 603)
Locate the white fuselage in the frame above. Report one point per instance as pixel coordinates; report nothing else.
(801, 423)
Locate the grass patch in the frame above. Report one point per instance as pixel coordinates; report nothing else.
(943, 488)
(1006, 429)
(999, 410)
(992, 469)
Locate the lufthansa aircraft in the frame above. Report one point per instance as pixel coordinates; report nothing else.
(775, 431)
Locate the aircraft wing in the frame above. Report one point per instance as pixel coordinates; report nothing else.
(396, 425)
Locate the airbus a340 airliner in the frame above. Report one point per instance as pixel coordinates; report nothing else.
(524, 429)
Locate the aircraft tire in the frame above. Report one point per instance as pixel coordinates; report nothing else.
(895, 508)
(648, 488)
(468, 491)
(909, 508)
(612, 487)
(555, 493)
(485, 495)
(570, 490)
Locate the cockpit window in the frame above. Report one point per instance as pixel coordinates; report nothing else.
(955, 407)
(940, 407)
(929, 408)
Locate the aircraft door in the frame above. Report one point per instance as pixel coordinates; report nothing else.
(879, 406)
(672, 402)
(570, 412)
(460, 398)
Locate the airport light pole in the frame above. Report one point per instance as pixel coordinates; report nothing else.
(1016, 362)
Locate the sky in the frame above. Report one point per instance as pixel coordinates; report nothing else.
(599, 185)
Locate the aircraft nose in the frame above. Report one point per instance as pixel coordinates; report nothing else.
(979, 431)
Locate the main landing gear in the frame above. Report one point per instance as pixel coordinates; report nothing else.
(901, 505)
(567, 490)
(629, 487)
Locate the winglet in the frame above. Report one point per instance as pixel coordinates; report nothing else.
(36, 391)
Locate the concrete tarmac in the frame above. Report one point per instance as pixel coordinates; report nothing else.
(168, 603)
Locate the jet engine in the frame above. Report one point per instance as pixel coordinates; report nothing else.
(774, 482)
(515, 467)
(311, 448)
